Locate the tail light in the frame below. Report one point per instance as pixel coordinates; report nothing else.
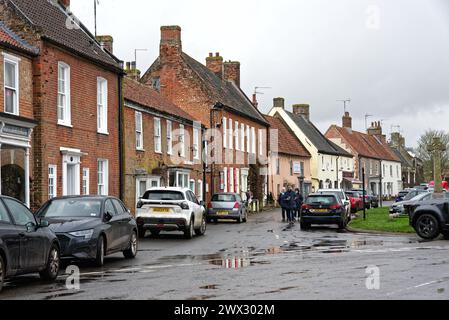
(209, 205)
(184, 206)
(236, 205)
(335, 207)
(305, 207)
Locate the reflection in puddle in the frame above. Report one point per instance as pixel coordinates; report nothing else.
(231, 263)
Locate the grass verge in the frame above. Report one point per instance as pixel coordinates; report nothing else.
(379, 220)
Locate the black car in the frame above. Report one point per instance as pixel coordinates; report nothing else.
(25, 245)
(91, 227)
(430, 218)
(322, 208)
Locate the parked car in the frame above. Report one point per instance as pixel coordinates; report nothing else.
(356, 201)
(26, 246)
(171, 209)
(398, 207)
(227, 206)
(342, 195)
(323, 208)
(430, 218)
(411, 193)
(91, 227)
(371, 200)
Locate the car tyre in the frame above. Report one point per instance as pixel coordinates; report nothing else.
(99, 259)
(190, 230)
(304, 226)
(50, 273)
(141, 233)
(240, 218)
(245, 218)
(342, 224)
(202, 230)
(2, 272)
(131, 252)
(427, 227)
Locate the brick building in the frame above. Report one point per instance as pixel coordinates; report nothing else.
(163, 144)
(371, 152)
(211, 94)
(289, 160)
(16, 115)
(76, 86)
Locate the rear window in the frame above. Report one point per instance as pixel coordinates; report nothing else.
(353, 194)
(323, 200)
(163, 196)
(223, 198)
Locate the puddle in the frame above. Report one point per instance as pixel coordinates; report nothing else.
(63, 295)
(280, 290)
(231, 263)
(210, 287)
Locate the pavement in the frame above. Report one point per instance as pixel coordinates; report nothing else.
(262, 259)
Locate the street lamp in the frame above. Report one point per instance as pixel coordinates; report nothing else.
(218, 107)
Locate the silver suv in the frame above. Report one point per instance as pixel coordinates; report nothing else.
(171, 209)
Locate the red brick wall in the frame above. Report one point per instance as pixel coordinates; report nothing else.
(49, 136)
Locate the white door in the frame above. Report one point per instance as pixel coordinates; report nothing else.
(71, 180)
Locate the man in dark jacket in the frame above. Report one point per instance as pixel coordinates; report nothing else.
(290, 204)
(299, 199)
(281, 201)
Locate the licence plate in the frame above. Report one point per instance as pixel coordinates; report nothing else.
(161, 210)
(320, 211)
(222, 213)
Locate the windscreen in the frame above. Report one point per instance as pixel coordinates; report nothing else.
(322, 200)
(223, 198)
(163, 195)
(72, 208)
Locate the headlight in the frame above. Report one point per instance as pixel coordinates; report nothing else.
(86, 234)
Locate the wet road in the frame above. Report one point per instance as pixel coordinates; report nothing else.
(260, 260)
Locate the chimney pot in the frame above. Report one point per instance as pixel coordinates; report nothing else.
(279, 103)
(217, 54)
(302, 110)
(65, 3)
(347, 121)
(215, 64)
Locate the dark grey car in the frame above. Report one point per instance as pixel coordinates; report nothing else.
(229, 206)
(25, 245)
(91, 227)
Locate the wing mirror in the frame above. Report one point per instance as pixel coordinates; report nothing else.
(44, 224)
(30, 226)
(107, 216)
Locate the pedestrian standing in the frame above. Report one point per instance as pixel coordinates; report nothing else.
(281, 201)
(299, 199)
(290, 204)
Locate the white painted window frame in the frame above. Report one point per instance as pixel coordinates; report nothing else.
(157, 135)
(66, 112)
(102, 105)
(14, 61)
(105, 176)
(86, 182)
(54, 177)
(169, 137)
(139, 130)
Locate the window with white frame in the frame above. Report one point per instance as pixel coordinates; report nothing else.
(242, 137)
(199, 190)
(248, 137)
(236, 133)
(225, 180)
(52, 181)
(102, 105)
(231, 180)
(64, 117)
(182, 140)
(192, 186)
(169, 137)
(253, 140)
(230, 135)
(85, 186)
(139, 131)
(103, 175)
(261, 142)
(196, 143)
(11, 86)
(157, 135)
(225, 132)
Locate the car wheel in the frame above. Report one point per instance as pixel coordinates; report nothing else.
(245, 218)
(2, 272)
(131, 252)
(155, 233)
(208, 220)
(51, 270)
(190, 230)
(99, 259)
(427, 227)
(240, 218)
(141, 233)
(304, 226)
(342, 224)
(202, 230)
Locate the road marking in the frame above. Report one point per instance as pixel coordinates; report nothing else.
(445, 279)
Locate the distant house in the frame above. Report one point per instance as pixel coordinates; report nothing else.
(211, 94)
(331, 165)
(163, 144)
(371, 152)
(289, 159)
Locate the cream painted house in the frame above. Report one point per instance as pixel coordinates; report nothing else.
(329, 163)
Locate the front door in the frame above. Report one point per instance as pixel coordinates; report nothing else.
(71, 180)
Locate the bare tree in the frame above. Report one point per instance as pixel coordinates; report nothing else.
(423, 146)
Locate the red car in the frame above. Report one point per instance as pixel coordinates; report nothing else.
(356, 201)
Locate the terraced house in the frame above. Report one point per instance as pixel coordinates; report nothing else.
(371, 152)
(76, 101)
(163, 144)
(211, 94)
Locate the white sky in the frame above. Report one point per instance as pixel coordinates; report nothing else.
(390, 57)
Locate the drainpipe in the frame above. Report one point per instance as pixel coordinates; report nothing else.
(381, 183)
(338, 176)
(121, 138)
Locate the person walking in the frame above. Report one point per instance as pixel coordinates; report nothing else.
(281, 201)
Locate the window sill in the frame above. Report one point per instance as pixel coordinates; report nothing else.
(12, 113)
(158, 152)
(64, 124)
(103, 133)
(140, 149)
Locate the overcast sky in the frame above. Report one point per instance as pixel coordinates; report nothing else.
(391, 58)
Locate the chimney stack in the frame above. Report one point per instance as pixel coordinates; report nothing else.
(65, 3)
(302, 110)
(171, 45)
(231, 72)
(376, 130)
(397, 140)
(255, 103)
(347, 121)
(132, 71)
(106, 43)
(215, 64)
(279, 103)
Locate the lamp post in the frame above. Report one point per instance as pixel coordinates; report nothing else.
(218, 107)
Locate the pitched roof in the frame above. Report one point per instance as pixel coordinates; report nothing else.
(9, 38)
(146, 96)
(315, 136)
(57, 25)
(224, 91)
(405, 160)
(288, 142)
(368, 146)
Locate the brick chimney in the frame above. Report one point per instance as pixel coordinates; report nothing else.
(397, 140)
(376, 130)
(106, 42)
(255, 102)
(302, 110)
(279, 103)
(347, 121)
(171, 45)
(132, 71)
(65, 3)
(231, 72)
(215, 64)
